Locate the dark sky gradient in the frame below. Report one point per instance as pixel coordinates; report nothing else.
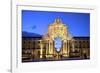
(38, 21)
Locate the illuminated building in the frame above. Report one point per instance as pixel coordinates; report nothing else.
(56, 44)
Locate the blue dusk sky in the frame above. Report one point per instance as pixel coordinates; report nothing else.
(37, 21)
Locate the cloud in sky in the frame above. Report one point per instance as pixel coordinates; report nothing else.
(33, 27)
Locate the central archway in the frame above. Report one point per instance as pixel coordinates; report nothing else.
(58, 44)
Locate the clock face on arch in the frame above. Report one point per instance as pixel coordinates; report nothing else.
(58, 43)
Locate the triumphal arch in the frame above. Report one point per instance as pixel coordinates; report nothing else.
(56, 40)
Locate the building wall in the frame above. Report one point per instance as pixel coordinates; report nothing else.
(32, 50)
(82, 47)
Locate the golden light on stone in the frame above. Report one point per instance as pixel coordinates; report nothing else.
(58, 30)
(46, 48)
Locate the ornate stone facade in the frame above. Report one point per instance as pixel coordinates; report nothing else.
(57, 30)
(56, 44)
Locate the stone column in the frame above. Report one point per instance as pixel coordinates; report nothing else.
(52, 52)
(41, 50)
(49, 47)
(68, 48)
(65, 48)
(46, 48)
(73, 45)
